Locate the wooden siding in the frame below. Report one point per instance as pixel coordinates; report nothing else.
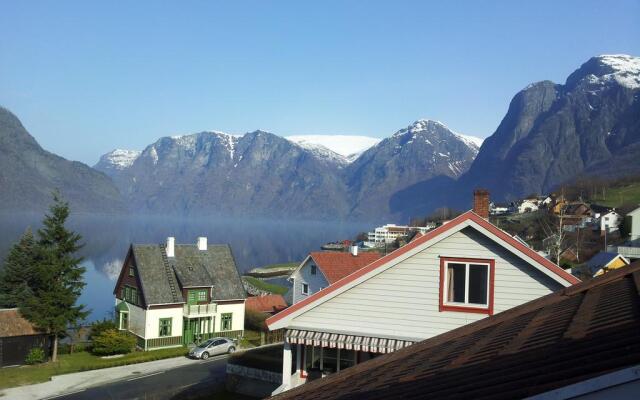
(403, 300)
(125, 280)
(303, 275)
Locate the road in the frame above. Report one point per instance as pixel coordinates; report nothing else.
(191, 381)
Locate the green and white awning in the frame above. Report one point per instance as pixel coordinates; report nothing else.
(347, 342)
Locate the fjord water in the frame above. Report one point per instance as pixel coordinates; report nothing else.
(253, 242)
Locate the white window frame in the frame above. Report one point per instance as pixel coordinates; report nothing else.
(466, 285)
(305, 286)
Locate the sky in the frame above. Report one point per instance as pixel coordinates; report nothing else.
(89, 77)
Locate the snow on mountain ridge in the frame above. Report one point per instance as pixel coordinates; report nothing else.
(343, 145)
(121, 158)
(424, 125)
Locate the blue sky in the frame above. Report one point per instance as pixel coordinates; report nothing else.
(88, 77)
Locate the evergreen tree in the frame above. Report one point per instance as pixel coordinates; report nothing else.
(17, 275)
(58, 276)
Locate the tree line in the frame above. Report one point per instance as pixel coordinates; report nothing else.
(43, 275)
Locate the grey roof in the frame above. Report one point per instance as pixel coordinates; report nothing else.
(214, 267)
(599, 261)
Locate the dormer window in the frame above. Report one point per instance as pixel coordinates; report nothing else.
(466, 285)
(313, 269)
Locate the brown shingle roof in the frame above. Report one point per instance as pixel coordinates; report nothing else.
(13, 324)
(268, 303)
(574, 334)
(336, 265)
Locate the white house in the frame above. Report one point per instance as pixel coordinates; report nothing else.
(390, 232)
(610, 221)
(634, 233)
(455, 274)
(322, 268)
(528, 205)
(169, 295)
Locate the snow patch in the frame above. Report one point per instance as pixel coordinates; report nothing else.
(625, 70)
(344, 145)
(121, 159)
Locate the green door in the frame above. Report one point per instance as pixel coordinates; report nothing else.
(187, 335)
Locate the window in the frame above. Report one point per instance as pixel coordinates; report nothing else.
(124, 321)
(202, 295)
(313, 270)
(305, 288)
(466, 285)
(225, 322)
(132, 270)
(130, 295)
(165, 327)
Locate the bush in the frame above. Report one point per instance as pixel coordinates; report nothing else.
(98, 327)
(111, 342)
(254, 320)
(35, 356)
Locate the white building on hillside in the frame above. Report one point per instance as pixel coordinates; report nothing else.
(390, 232)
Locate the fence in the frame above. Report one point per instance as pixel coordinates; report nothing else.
(272, 337)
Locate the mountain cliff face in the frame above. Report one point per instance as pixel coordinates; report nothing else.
(553, 133)
(28, 175)
(261, 174)
(423, 150)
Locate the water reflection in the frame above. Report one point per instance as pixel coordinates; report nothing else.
(253, 242)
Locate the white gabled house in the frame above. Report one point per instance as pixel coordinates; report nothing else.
(455, 274)
(170, 295)
(322, 268)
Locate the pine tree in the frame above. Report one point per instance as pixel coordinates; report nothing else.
(17, 275)
(58, 276)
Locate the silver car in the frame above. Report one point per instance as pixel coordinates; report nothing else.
(212, 347)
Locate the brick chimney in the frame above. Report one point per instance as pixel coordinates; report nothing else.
(481, 202)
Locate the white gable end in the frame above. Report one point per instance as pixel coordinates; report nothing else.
(403, 301)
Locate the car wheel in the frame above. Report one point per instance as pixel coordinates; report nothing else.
(205, 355)
(231, 350)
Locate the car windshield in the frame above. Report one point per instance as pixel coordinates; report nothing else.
(205, 343)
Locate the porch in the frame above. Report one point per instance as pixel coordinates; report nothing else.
(319, 354)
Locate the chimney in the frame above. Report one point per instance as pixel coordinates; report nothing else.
(481, 202)
(170, 249)
(354, 250)
(202, 243)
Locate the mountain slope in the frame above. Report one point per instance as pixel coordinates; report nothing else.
(28, 175)
(261, 174)
(258, 174)
(551, 134)
(423, 150)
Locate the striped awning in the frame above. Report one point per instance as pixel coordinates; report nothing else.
(348, 342)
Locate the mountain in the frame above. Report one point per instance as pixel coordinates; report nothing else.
(257, 174)
(262, 174)
(28, 175)
(551, 134)
(425, 149)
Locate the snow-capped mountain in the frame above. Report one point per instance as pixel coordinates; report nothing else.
(264, 174)
(345, 145)
(117, 160)
(423, 150)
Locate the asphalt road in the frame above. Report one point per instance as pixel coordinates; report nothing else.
(203, 378)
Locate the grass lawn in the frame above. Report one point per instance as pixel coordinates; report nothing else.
(269, 287)
(77, 362)
(618, 196)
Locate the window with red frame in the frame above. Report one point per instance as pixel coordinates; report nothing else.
(466, 285)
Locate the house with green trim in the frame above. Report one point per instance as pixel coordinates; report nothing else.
(174, 294)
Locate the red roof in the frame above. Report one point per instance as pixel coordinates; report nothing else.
(467, 216)
(577, 333)
(268, 303)
(336, 265)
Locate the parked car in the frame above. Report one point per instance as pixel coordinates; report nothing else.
(213, 347)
